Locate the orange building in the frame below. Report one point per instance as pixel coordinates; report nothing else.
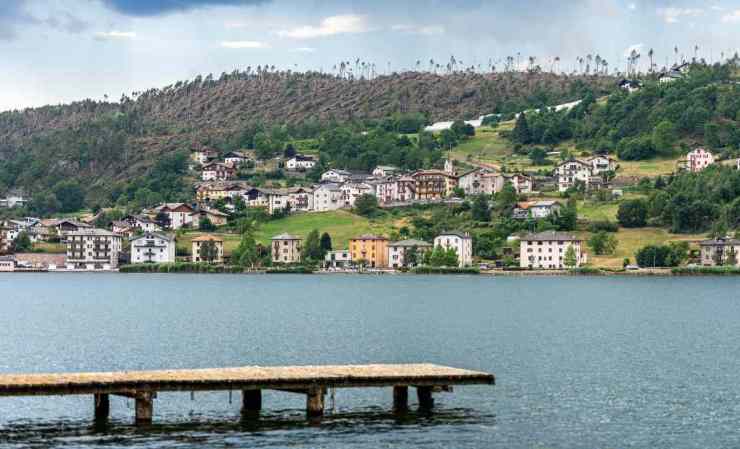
(371, 249)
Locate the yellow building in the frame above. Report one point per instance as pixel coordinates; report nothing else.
(370, 249)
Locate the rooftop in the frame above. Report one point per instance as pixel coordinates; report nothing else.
(286, 236)
(550, 236)
(370, 237)
(411, 243)
(208, 238)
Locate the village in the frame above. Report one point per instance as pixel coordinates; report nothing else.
(150, 237)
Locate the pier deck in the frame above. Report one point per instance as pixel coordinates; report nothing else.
(313, 381)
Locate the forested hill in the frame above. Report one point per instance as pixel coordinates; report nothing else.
(97, 143)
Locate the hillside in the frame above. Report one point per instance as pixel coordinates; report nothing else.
(98, 143)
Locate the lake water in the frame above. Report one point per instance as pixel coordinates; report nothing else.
(580, 362)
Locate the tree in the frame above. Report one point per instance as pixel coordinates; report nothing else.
(633, 213)
(70, 195)
(567, 219)
(671, 255)
(570, 260)
(731, 257)
(22, 243)
(208, 251)
(521, 133)
(246, 254)
(205, 224)
(411, 256)
(603, 243)
(326, 245)
(162, 219)
(366, 205)
(506, 199)
(312, 251)
(538, 156)
(481, 210)
(664, 137)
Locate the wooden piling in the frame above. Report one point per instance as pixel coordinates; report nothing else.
(251, 402)
(315, 401)
(400, 398)
(144, 408)
(424, 394)
(102, 408)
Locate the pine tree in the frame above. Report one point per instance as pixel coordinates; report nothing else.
(570, 257)
(326, 244)
(521, 133)
(312, 251)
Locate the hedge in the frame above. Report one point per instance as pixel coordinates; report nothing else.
(179, 267)
(445, 270)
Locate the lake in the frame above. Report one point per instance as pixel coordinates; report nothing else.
(579, 362)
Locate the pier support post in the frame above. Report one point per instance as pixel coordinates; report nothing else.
(426, 401)
(102, 408)
(144, 408)
(315, 402)
(251, 402)
(400, 398)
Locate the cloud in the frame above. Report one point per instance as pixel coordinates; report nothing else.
(159, 7)
(239, 45)
(427, 30)
(115, 35)
(304, 50)
(330, 26)
(674, 15)
(15, 13)
(733, 17)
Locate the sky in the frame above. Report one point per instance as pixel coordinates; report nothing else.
(57, 51)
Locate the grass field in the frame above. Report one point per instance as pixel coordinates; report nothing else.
(599, 211)
(647, 169)
(631, 240)
(52, 248)
(341, 225)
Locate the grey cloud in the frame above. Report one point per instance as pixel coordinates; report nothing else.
(160, 7)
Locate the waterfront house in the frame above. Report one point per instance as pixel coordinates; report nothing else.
(719, 252)
(546, 250)
(399, 253)
(339, 259)
(461, 242)
(7, 263)
(153, 248)
(41, 261)
(370, 250)
(215, 171)
(300, 162)
(286, 249)
(698, 160)
(205, 241)
(93, 249)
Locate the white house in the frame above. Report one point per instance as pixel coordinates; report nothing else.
(462, 243)
(601, 164)
(698, 160)
(338, 259)
(385, 189)
(520, 182)
(286, 248)
(235, 158)
(93, 249)
(353, 190)
(336, 175)
(327, 197)
(205, 155)
(217, 172)
(385, 171)
(537, 209)
(299, 162)
(475, 182)
(547, 250)
(153, 248)
(12, 200)
(178, 214)
(572, 171)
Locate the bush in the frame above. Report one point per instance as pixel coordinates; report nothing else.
(633, 213)
(603, 226)
(179, 267)
(671, 255)
(444, 270)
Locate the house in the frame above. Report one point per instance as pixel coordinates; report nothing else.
(142, 223)
(698, 160)
(537, 209)
(398, 251)
(213, 191)
(462, 243)
(327, 197)
(286, 249)
(216, 244)
(257, 197)
(179, 215)
(12, 200)
(406, 188)
(353, 190)
(675, 73)
(300, 162)
(520, 182)
(7, 264)
(370, 251)
(630, 85)
(433, 184)
(601, 164)
(123, 228)
(385, 189)
(153, 248)
(236, 158)
(93, 249)
(384, 171)
(216, 217)
(335, 175)
(299, 199)
(547, 250)
(41, 261)
(204, 155)
(215, 171)
(719, 252)
(573, 171)
(338, 259)
(473, 182)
